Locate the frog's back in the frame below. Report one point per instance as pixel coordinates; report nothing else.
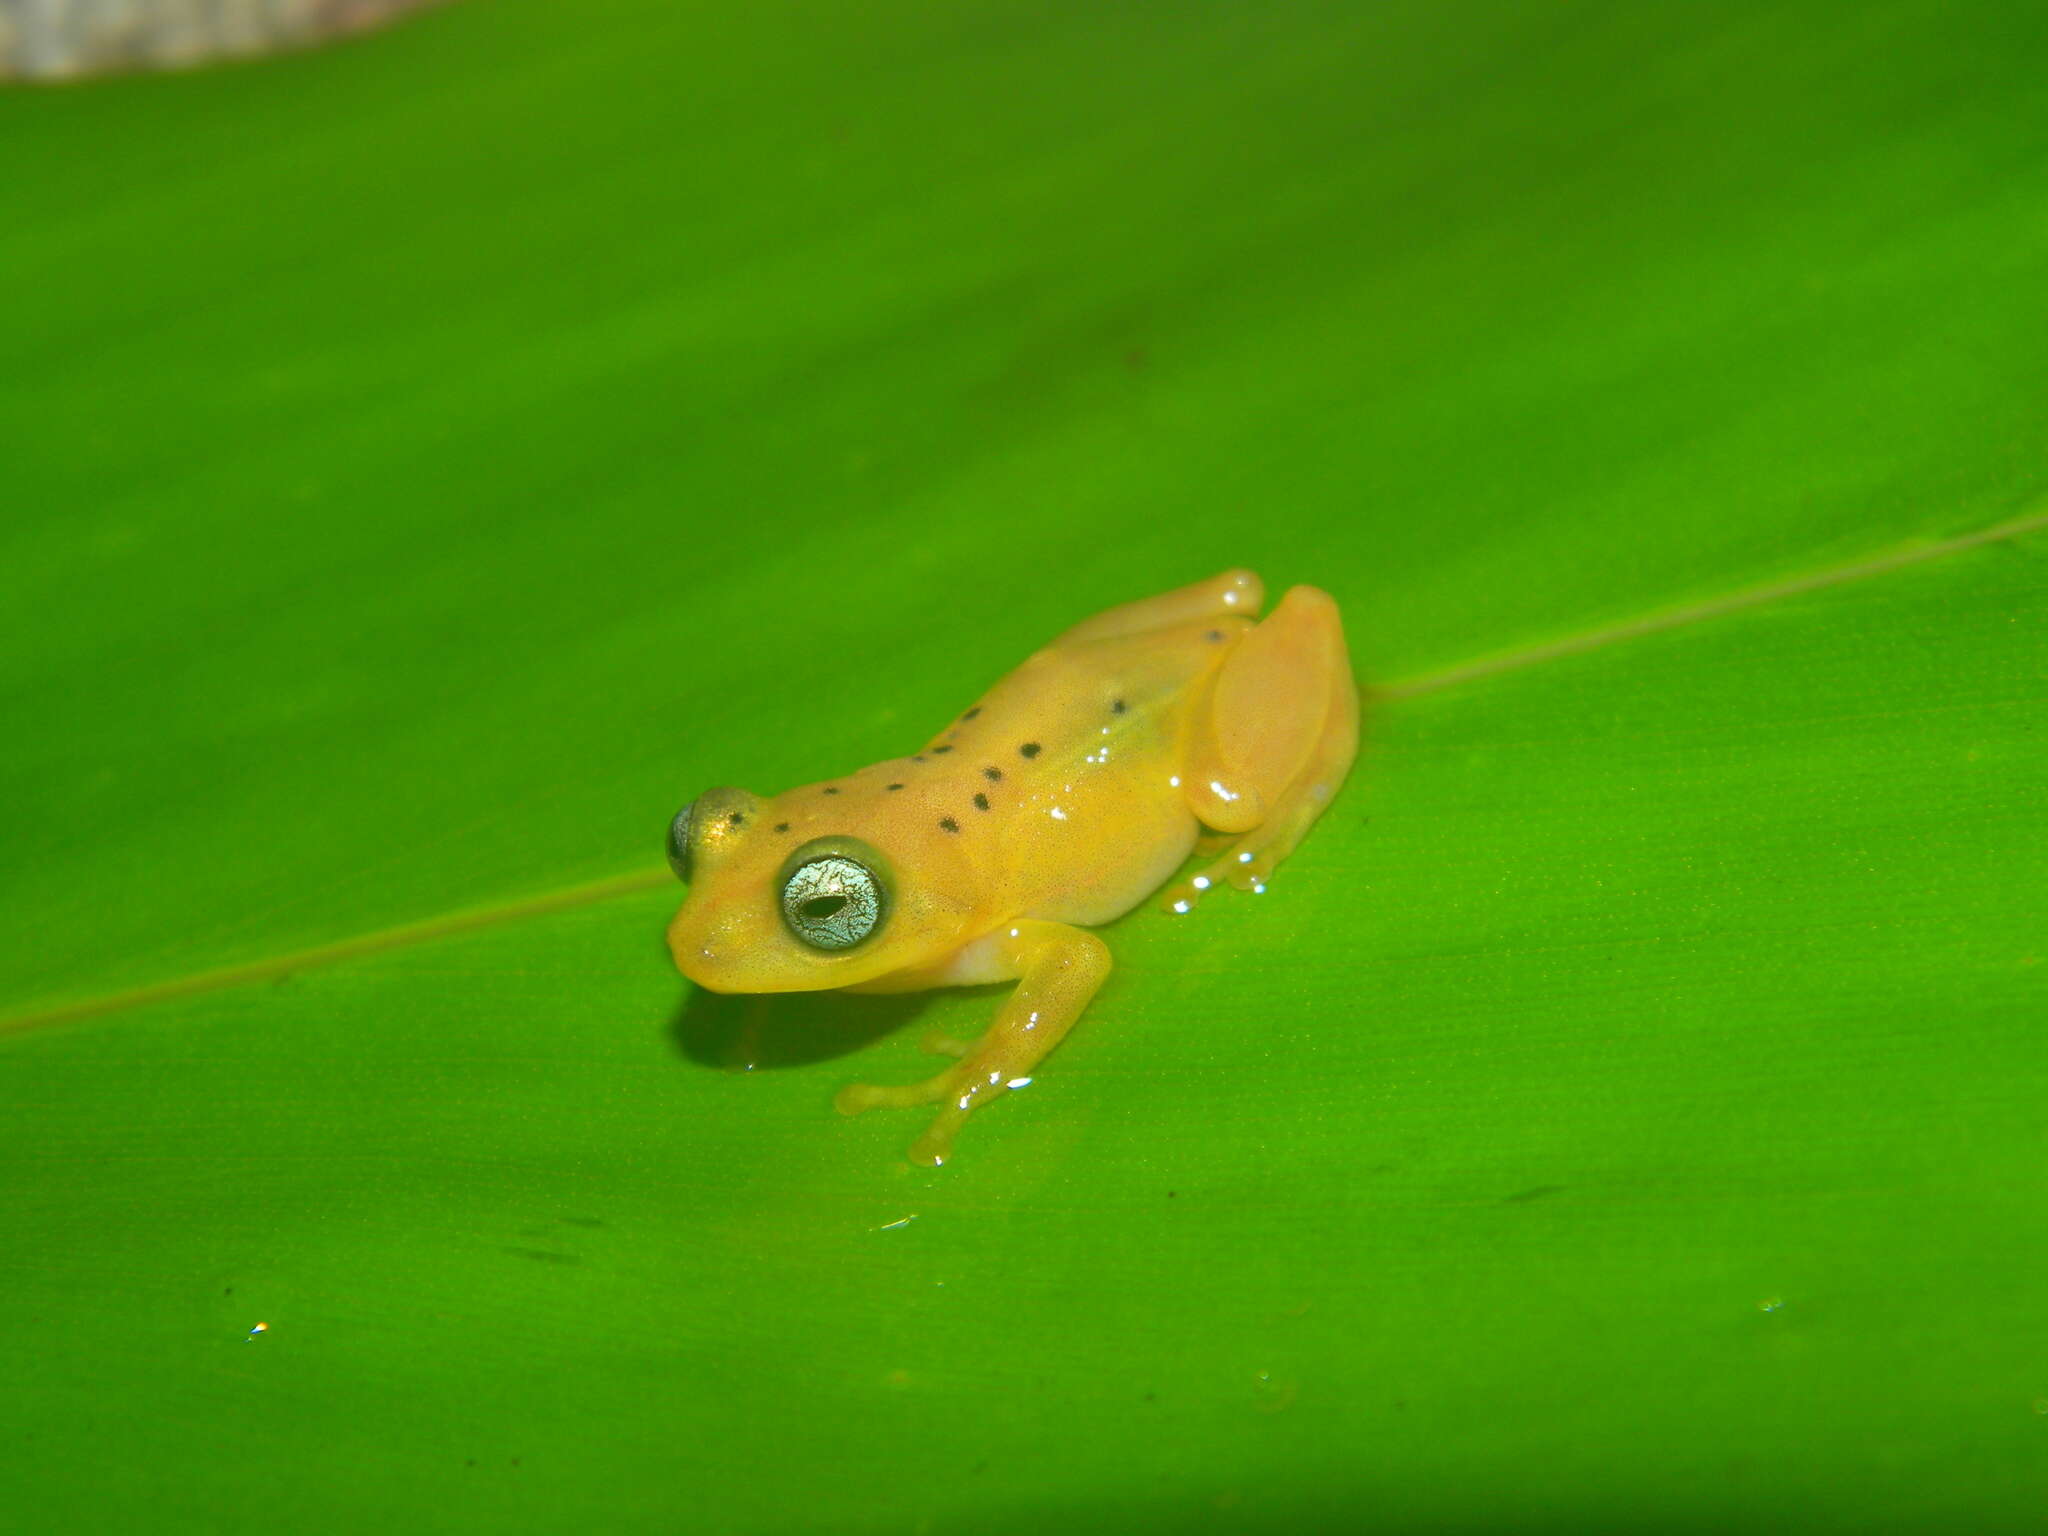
(1067, 772)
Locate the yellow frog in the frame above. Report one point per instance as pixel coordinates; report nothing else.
(1078, 784)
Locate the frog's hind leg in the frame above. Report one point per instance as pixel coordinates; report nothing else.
(1237, 593)
(1271, 742)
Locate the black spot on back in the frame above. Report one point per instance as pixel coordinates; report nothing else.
(1214, 634)
(937, 750)
(949, 824)
(831, 789)
(895, 786)
(972, 713)
(1030, 749)
(735, 819)
(782, 826)
(981, 802)
(918, 758)
(992, 774)
(1117, 706)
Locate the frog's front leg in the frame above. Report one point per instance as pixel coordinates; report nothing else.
(1272, 741)
(1057, 969)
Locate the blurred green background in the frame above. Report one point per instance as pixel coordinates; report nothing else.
(429, 461)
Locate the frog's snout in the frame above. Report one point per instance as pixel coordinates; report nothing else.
(688, 949)
(701, 951)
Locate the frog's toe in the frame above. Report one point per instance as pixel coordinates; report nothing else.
(858, 1098)
(936, 1044)
(1180, 897)
(936, 1145)
(1248, 869)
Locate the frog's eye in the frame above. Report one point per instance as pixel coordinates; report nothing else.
(832, 902)
(679, 842)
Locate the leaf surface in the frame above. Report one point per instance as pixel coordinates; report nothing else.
(433, 459)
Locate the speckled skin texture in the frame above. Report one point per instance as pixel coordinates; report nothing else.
(1063, 797)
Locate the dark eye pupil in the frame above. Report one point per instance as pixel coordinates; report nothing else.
(832, 902)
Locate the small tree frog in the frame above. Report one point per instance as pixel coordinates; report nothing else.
(1073, 788)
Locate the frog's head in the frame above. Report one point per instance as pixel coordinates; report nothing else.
(762, 916)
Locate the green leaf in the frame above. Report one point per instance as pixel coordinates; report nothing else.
(432, 460)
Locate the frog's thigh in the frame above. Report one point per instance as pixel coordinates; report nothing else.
(1265, 711)
(1058, 969)
(1275, 736)
(1232, 592)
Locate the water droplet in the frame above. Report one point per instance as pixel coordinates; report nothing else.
(1273, 1394)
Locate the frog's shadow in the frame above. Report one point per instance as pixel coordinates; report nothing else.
(749, 1032)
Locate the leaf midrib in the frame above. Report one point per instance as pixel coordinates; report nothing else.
(469, 920)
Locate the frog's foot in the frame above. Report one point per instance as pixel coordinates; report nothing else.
(959, 1089)
(1245, 867)
(1219, 848)
(1249, 860)
(1057, 969)
(956, 1087)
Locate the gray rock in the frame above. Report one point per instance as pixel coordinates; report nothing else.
(53, 39)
